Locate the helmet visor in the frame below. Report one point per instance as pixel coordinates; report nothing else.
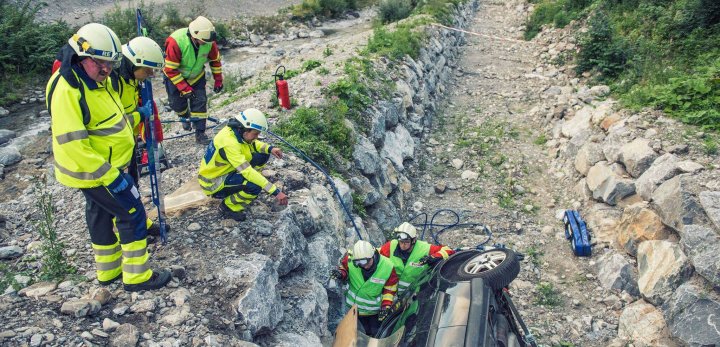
(361, 262)
(403, 237)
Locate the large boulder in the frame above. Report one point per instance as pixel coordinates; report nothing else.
(579, 123)
(362, 187)
(9, 155)
(676, 203)
(608, 183)
(6, 135)
(365, 156)
(644, 325)
(616, 273)
(285, 245)
(398, 146)
(710, 201)
(324, 254)
(317, 211)
(602, 220)
(305, 303)
(662, 267)
(250, 284)
(637, 156)
(693, 316)
(701, 244)
(662, 169)
(640, 223)
(588, 155)
(377, 126)
(385, 214)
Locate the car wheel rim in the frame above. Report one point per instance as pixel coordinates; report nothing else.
(485, 262)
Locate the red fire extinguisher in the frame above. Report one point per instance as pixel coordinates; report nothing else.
(281, 88)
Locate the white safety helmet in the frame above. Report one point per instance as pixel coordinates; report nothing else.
(202, 29)
(252, 118)
(363, 250)
(97, 41)
(406, 231)
(143, 51)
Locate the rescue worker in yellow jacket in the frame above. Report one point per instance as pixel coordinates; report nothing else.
(93, 141)
(142, 59)
(228, 169)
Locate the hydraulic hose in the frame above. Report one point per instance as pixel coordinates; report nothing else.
(445, 227)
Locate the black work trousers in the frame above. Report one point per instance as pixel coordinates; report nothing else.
(194, 107)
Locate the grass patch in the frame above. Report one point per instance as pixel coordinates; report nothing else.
(558, 12)
(311, 64)
(547, 295)
(540, 140)
(394, 10)
(395, 44)
(710, 146)
(535, 255)
(320, 132)
(359, 205)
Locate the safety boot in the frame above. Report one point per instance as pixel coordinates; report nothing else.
(186, 125)
(201, 138)
(158, 280)
(111, 281)
(226, 212)
(154, 229)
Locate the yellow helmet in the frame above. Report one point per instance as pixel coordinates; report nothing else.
(363, 250)
(406, 231)
(202, 29)
(143, 51)
(97, 41)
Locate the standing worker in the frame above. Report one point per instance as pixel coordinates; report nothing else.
(410, 257)
(187, 50)
(228, 169)
(92, 144)
(142, 58)
(373, 284)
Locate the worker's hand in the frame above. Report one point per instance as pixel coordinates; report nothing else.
(146, 110)
(282, 199)
(430, 261)
(337, 274)
(188, 93)
(384, 312)
(277, 152)
(218, 87)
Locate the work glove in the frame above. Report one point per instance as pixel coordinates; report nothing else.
(336, 274)
(187, 94)
(429, 261)
(218, 87)
(118, 185)
(146, 111)
(384, 312)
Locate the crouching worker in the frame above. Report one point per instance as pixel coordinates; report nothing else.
(410, 256)
(228, 171)
(373, 284)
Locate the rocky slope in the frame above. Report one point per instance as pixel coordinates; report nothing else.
(484, 125)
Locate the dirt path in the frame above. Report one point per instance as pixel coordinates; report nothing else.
(486, 128)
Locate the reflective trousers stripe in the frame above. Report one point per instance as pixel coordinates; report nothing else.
(239, 200)
(107, 261)
(134, 265)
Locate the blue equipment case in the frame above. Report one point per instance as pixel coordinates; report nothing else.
(576, 231)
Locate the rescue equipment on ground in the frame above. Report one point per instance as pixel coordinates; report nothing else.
(576, 231)
(281, 88)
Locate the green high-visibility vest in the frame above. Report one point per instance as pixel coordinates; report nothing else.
(367, 295)
(412, 270)
(192, 66)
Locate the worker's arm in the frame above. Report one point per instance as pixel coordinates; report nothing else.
(440, 251)
(385, 249)
(389, 290)
(344, 267)
(237, 160)
(215, 64)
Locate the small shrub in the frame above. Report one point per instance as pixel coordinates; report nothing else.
(601, 50)
(311, 64)
(547, 295)
(333, 8)
(359, 205)
(540, 140)
(265, 25)
(54, 264)
(323, 71)
(307, 9)
(535, 255)
(394, 10)
(327, 51)
(395, 44)
(710, 146)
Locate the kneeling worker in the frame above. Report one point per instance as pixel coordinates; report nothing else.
(373, 284)
(228, 169)
(411, 257)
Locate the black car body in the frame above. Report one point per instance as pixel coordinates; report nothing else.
(463, 301)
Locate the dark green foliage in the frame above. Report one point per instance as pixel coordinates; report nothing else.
(326, 8)
(394, 10)
(311, 64)
(395, 44)
(123, 22)
(558, 12)
(319, 132)
(600, 49)
(441, 10)
(28, 48)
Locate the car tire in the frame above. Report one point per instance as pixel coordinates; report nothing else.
(498, 267)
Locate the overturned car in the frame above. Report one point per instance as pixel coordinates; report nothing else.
(462, 301)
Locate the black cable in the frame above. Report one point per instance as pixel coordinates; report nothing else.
(445, 227)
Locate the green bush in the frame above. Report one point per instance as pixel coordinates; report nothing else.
(394, 10)
(601, 50)
(311, 64)
(395, 44)
(558, 12)
(333, 8)
(319, 132)
(123, 21)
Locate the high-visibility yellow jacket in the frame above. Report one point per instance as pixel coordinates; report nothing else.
(91, 147)
(227, 154)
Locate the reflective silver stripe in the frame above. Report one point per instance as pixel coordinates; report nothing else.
(216, 183)
(264, 148)
(375, 302)
(87, 176)
(267, 187)
(102, 252)
(109, 266)
(366, 308)
(130, 118)
(235, 200)
(403, 284)
(71, 136)
(118, 127)
(134, 254)
(242, 166)
(135, 269)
